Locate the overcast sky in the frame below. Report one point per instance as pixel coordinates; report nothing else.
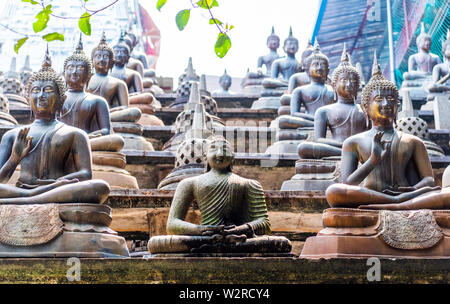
(252, 20)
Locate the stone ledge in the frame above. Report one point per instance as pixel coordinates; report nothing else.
(295, 201)
(224, 270)
(235, 101)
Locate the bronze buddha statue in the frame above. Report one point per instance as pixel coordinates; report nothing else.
(273, 43)
(344, 118)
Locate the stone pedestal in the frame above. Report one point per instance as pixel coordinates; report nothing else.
(314, 174)
(110, 167)
(59, 230)
(356, 233)
(288, 139)
(270, 99)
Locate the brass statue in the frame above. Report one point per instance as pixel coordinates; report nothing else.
(131, 77)
(233, 212)
(286, 66)
(301, 78)
(55, 158)
(273, 43)
(311, 96)
(344, 118)
(441, 71)
(83, 110)
(394, 167)
(133, 63)
(114, 90)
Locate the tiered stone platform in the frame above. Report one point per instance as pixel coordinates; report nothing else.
(223, 270)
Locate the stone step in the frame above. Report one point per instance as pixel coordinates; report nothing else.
(235, 101)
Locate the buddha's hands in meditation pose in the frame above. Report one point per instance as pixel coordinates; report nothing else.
(229, 234)
(21, 146)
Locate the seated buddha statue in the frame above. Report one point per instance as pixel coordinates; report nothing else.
(132, 78)
(273, 43)
(344, 118)
(421, 64)
(275, 86)
(225, 84)
(233, 208)
(90, 113)
(301, 78)
(43, 149)
(441, 71)
(394, 166)
(312, 96)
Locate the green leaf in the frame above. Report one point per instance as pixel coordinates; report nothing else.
(182, 18)
(53, 36)
(19, 43)
(84, 25)
(211, 21)
(207, 3)
(223, 44)
(231, 27)
(160, 4)
(42, 19)
(30, 1)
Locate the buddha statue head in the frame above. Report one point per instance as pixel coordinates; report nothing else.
(273, 41)
(345, 79)
(379, 98)
(102, 56)
(225, 81)
(305, 54)
(77, 68)
(423, 41)
(317, 65)
(46, 90)
(121, 51)
(133, 39)
(290, 45)
(220, 154)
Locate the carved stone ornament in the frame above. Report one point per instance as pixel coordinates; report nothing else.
(26, 225)
(409, 229)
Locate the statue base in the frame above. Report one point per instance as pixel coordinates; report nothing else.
(289, 139)
(135, 142)
(266, 102)
(219, 255)
(357, 233)
(284, 147)
(314, 174)
(59, 230)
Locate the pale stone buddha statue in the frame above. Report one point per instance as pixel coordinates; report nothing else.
(13, 88)
(225, 84)
(26, 71)
(318, 167)
(441, 71)
(394, 166)
(343, 118)
(63, 205)
(275, 86)
(273, 43)
(90, 113)
(421, 64)
(233, 209)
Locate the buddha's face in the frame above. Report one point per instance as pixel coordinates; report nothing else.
(291, 47)
(121, 55)
(220, 155)
(44, 98)
(102, 61)
(225, 83)
(347, 85)
(76, 73)
(425, 44)
(382, 107)
(318, 69)
(273, 44)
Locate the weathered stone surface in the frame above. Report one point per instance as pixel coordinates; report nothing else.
(224, 270)
(441, 111)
